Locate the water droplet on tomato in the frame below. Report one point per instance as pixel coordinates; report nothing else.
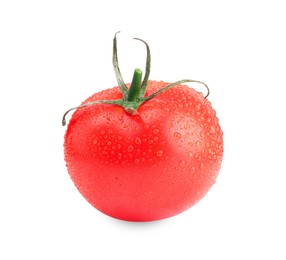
(123, 163)
(193, 169)
(177, 135)
(197, 155)
(119, 156)
(182, 163)
(159, 153)
(130, 148)
(137, 161)
(156, 131)
(186, 126)
(138, 140)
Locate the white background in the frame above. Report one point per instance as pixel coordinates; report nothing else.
(56, 53)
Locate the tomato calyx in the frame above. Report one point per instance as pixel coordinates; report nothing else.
(133, 97)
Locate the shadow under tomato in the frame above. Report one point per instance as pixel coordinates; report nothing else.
(140, 224)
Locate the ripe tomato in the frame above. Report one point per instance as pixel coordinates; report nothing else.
(147, 165)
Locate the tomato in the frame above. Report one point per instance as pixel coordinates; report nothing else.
(150, 163)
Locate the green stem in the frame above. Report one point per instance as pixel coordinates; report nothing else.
(134, 90)
(173, 85)
(133, 97)
(147, 69)
(119, 78)
(118, 102)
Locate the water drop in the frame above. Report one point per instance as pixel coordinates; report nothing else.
(159, 153)
(177, 135)
(182, 163)
(156, 131)
(186, 126)
(212, 130)
(123, 163)
(130, 148)
(198, 106)
(119, 156)
(193, 169)
(138, 140)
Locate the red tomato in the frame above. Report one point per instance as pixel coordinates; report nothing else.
(145, 166)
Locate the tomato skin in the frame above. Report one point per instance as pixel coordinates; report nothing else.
(148, 166)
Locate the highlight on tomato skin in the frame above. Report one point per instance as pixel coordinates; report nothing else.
(144, 159)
